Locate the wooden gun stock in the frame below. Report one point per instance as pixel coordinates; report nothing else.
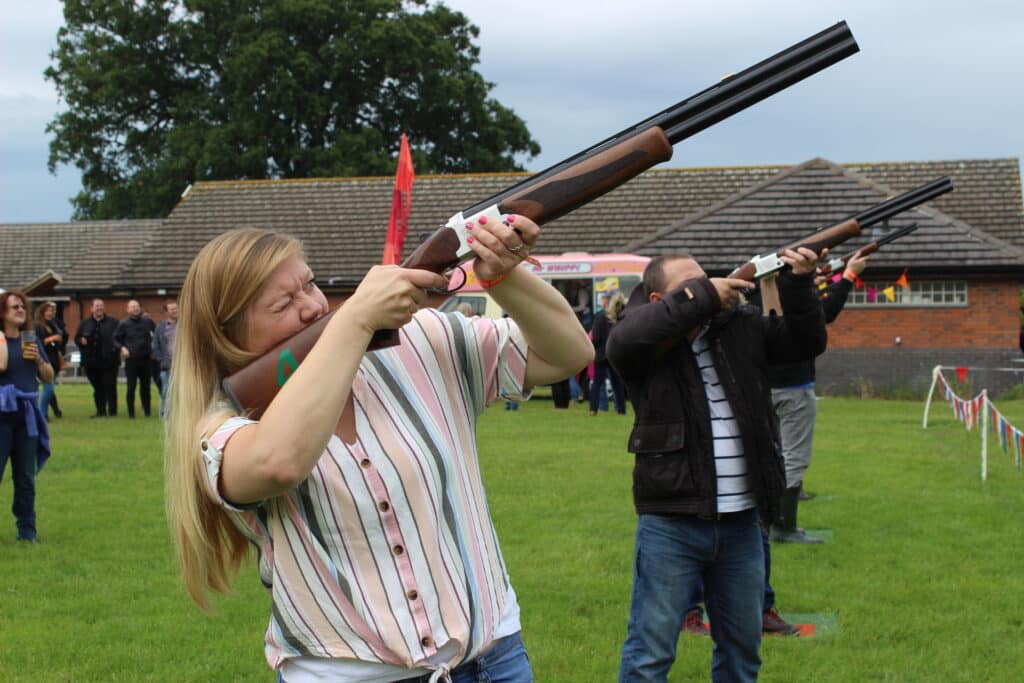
(829, 237)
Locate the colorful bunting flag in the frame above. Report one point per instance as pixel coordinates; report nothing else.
(890, 293)
(871, 294)
(902, 281)
(961, 374)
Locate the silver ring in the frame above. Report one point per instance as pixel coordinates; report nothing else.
(516, 249)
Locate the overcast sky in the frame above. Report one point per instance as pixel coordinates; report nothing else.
(939, 79)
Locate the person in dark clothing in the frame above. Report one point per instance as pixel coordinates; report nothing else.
(708, 460)
(24, 438)
(95, 340)
(797, 407)
(134, 340)
(50, 330)
(163, 350)
(603, 324)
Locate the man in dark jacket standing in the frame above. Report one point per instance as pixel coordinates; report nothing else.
(134, 339)
(708, 458)
(95, 341)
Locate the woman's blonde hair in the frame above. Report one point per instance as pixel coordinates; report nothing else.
(223, 281)
(615, 306)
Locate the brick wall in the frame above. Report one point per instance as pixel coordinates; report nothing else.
(991, 321)
(863, 354)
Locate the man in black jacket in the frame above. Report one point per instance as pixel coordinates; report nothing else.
(95, 341)
(797, 408)
(708, 458)
(134, 339)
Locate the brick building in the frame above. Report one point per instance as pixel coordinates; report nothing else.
(965, 262)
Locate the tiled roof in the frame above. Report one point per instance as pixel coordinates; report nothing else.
(800, 200)
(987, 196)
(343, 221)
(86, 254)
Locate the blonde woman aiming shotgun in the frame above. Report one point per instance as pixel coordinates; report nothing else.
(359, 486)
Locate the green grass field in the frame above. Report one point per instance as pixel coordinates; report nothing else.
(924, 575)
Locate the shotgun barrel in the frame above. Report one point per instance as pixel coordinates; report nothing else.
(677, 122)
(904, 202)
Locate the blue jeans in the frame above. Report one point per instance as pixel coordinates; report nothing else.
(672, 553)
(601, 371)
(20, 448)
(505, 662)
(165, 380)
(769, 592)
(48, 399)
(574, 389)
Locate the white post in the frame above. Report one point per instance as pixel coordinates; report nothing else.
(984, 434)
(928, 401)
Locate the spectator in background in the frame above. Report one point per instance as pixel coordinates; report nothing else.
(23, 435)
(50, 330)
(95, 340)
(154, 364)
(134, 340)
(163, 349)
(599, 334)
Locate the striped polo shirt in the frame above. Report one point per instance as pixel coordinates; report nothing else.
(734, 492)
(386, 553)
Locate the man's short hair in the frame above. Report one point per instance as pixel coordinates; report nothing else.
(654, 273)
(168, 303)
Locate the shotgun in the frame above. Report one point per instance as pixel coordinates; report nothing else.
(567, 185)
(838, 262)
(760, 267)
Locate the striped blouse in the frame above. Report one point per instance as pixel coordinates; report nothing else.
(387, 553)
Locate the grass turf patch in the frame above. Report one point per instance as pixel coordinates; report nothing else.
(924, 578)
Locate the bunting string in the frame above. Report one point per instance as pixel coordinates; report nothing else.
(979, 412)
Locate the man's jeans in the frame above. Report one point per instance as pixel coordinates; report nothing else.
(671, 554)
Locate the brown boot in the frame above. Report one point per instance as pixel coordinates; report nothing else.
(773, 624)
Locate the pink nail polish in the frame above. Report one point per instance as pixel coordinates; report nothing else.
(469, 226)
(469, 239)
(482, 220)
(511, 218)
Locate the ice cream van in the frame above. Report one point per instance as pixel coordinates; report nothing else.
(583, 279)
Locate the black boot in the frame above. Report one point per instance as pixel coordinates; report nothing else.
(784, 530)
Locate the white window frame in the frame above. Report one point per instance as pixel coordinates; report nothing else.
(920, 294)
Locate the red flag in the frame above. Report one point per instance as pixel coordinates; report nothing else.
(401, 206)
(961, 375)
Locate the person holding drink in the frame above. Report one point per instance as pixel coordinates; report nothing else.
(24, 439)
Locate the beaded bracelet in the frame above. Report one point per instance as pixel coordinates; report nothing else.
(850, 275)
(487, 284)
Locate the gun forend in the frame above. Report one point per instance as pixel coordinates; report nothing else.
(762, 266)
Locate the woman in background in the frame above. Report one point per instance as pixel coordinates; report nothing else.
(50, 330)
(599, 333)
(23, 436)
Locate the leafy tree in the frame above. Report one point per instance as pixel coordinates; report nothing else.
(161, 94)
